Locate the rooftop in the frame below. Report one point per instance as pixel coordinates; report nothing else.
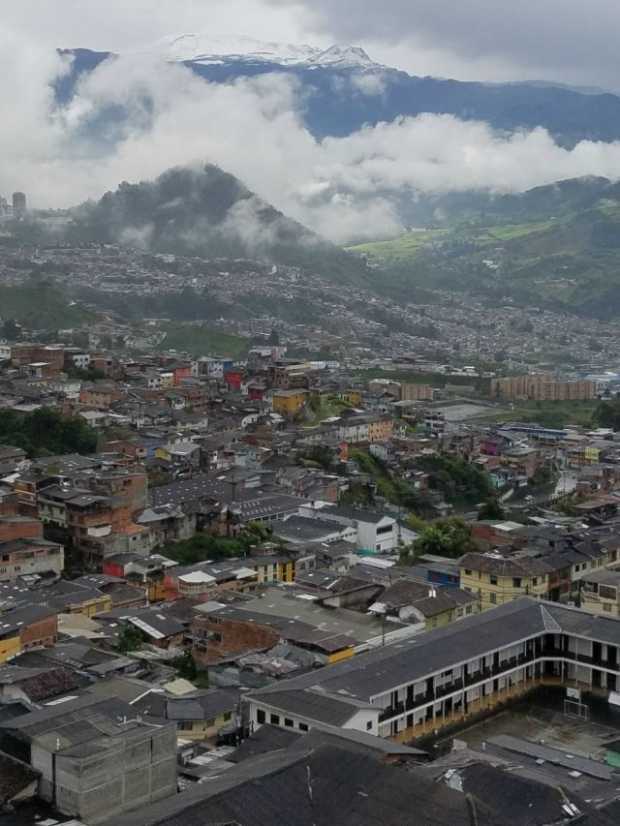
(370, 674)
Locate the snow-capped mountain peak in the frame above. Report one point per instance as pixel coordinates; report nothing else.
(208, 48)
(345, 56)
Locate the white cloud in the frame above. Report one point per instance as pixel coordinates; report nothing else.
(118, 25)
(372, 85)
(342, 187)
(565, 40)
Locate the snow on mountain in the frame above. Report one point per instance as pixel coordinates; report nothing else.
(207, 48)
(345, 57)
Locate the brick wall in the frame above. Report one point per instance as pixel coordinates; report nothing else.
(20, 529)
(217, 640)
(42, 632)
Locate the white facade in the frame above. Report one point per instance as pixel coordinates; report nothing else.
(366, 720)
(377, 536)
(81, 360)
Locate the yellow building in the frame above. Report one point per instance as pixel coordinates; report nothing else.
(451, 614)
(342, 654)
(167, 379)
(203, 715)
(352, 397)
(286, 571)
(380, 430)
(289, 402)
(10, 645)
(600, 593)
(89, 607)
(496, 580)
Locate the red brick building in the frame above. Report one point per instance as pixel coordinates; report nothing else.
(227, 635)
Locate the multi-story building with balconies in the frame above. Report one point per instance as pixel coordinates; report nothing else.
(445, 677)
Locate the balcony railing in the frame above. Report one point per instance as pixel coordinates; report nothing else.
(488, 673)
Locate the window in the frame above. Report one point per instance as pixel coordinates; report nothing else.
(469, 609)
(606, 606)
(288, 722)
(303, 727)
(260, 716)
(369, 725)
(535, 580)
(467, 572)
(275, 719)
(493, 597)
(210, 723)
(493, 579)
(227, 716)
(516, 582)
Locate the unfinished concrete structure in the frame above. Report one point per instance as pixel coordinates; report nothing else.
(95, 758)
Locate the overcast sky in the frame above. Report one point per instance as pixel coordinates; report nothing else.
(345, 188)
(566, 40)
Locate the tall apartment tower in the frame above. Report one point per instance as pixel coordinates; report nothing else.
(19, 203)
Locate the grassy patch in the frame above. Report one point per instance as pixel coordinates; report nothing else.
(548, 413)
(509, 232)
(403, 248)
(41, 307)
(202, 340)
(434, 379)
(329, 406)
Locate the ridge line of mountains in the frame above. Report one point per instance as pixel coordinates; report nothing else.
(336, 104)
(556, 245)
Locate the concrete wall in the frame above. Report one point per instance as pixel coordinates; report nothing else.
(127, 772)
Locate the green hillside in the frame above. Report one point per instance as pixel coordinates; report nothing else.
(208, 212)
(566, 256)
(200, 340)
(40, 306)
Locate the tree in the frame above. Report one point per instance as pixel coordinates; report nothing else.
(47, 432)
(607, 414)
(129, 639)
(322, 455)
(491, 509)
(567, 505)
(456, 478)
(11, 330)
(185, 666)
(449, 537)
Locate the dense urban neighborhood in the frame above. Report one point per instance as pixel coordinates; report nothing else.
(259, 551)
(309, 413)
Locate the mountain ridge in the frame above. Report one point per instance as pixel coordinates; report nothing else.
(337, 104)
(200, 47)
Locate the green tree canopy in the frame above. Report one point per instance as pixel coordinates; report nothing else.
(129, 639)
(607, 414)
(456, 478)
(46, 432)
(491, 509)
(449, 537)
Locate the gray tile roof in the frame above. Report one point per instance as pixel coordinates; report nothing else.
(375, 672)
(313, 705)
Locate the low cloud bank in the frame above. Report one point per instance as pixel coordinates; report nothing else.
(134, 117)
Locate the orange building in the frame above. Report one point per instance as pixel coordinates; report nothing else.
(542, 387)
